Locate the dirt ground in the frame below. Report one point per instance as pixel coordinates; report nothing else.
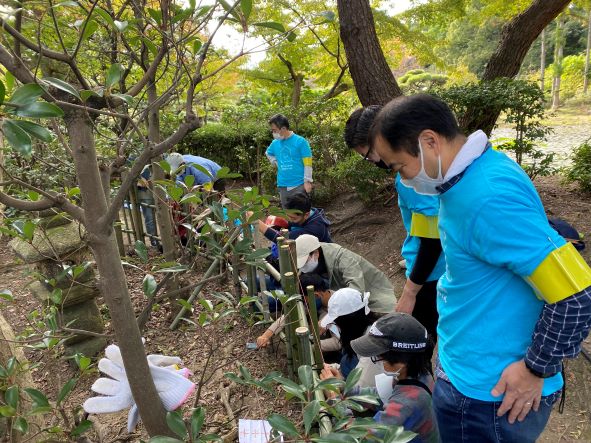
(376, 233)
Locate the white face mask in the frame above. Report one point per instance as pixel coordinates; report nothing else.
(422, 183)
(310, 265)
(277, 136)
(393, 374)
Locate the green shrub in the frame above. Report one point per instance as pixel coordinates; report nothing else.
(580, 171)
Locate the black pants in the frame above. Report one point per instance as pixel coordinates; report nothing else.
(425, 309)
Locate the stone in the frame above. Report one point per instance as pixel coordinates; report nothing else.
(53, 268)
(89, 348)
(54, 243)
(86, 316)
(70, 296)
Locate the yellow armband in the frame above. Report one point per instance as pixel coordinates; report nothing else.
(424, 226)
(562, 273)
(307, 161)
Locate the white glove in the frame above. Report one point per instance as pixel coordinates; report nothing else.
(172, 385)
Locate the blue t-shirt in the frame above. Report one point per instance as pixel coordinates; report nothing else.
(200, 176)
(494, 232)
(409, 202)
(290, 164)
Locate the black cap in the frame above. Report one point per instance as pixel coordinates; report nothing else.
(393, 332)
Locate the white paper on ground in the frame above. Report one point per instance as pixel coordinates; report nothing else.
(254, 431)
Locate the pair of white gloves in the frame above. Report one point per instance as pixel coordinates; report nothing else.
(172, 385)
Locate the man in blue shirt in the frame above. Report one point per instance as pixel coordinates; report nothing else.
(515, 298)
(201, 169)
(292, 156)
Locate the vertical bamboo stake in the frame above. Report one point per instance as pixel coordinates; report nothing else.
(314, 320)
(290, 312)
(303, 335)
(128, 225)
(119, 236)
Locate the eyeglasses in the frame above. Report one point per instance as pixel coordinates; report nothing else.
(367, 154)
(376, 359)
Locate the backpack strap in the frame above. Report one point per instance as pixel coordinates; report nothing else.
(414, 382)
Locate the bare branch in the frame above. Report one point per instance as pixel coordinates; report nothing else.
(136, 89)
(32, 46)
(15, 67)
(191, 123)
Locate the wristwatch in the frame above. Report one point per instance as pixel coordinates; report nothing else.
(538, 373)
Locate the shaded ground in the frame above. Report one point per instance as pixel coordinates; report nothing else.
(376, 233)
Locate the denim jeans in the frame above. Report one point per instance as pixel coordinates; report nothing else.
(145, 197)
(463, 419)
(348, 364)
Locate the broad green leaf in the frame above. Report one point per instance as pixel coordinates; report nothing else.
(28, 230)
(151, 46)
(165, 440)
(35, 130)
(39, 399)
(149, 285)
(17, 137)
(271, 25)
(156, 15)
(40, 110)
(246, 6)
(165, 166)
(370, 399)
(66, 390)
(21, 425)
(7, 411)
(11, 396)
(26, 94)
(66, 3)
(282, 424)
(84, 426)
(113, 75)
(311, 414)
(191, 198)
(72, 192)
(229, 8)
(141, 250)
(352, 379)
(197, 44)
(197, 419)
(126, 98)
(333, 437)
(105, 16)
(176, 424)
(2, 92)
(189, 181)
(85, 94)
(6, 294)
(82, 361)
(56, 296)
(10, 81)
(224, 172)
(90, 29)
(306, 376)
(62, 85)
(175, 193)
(291, 36)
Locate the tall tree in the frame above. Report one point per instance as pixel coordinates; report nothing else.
(373, 79)
(542, 58)
(517, 37)
(557, 64)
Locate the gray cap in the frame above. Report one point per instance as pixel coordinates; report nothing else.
(393, 332)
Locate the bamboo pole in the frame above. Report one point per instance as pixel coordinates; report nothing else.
(119, 237)
(318, 360)
(303, 335)
(136, 214)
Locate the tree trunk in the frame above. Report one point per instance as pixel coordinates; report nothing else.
(298, 82)
(112, 281)
(516, 39)
(542, 59)
(163, 216)
(587, 51)
(557, 74)
(374, 82)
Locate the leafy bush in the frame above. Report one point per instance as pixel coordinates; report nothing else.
(522, 104)
(580, 171)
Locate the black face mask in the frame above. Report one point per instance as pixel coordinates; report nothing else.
(382, 165)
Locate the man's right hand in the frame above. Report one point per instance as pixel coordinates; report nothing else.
(263, 340)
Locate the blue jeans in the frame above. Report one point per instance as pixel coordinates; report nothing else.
(463, 419)
(145, 197)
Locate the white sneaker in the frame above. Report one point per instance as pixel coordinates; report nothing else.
(402, 264)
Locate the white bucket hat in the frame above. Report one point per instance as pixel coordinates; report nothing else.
(175, 160)
(305, 244)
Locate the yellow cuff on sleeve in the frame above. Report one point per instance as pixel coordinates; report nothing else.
(424, 226)
(562, 273)
(307, 161)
